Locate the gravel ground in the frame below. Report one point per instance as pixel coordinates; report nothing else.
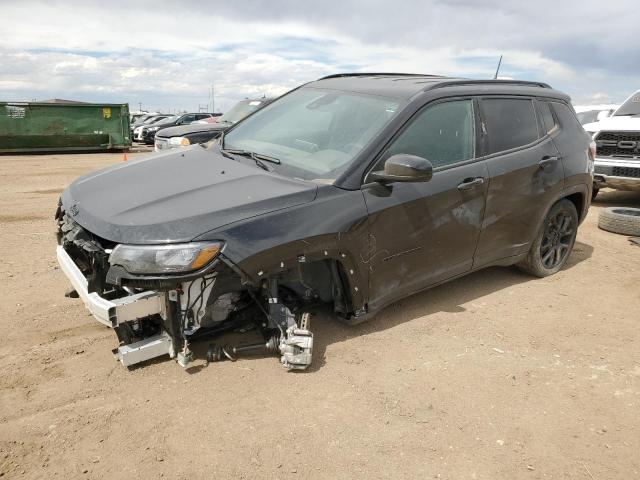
(494, 376)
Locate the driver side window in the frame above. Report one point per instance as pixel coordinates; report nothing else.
(442, 133)
(187, 119)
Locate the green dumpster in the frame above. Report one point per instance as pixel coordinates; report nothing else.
(41, 126)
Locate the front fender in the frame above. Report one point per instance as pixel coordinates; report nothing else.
(332, 227)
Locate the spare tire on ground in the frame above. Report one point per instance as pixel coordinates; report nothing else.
(623, 220)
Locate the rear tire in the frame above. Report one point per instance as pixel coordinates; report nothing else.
(554, 242)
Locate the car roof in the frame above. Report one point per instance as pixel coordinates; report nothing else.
(261, 99)
(404, 86)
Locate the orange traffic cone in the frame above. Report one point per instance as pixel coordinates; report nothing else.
(124, 158)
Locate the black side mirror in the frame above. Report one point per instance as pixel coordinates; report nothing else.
(404, 168)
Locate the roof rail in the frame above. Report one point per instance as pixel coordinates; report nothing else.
(456, 83)
(378, 74)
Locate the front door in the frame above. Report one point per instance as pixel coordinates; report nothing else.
(424, 233)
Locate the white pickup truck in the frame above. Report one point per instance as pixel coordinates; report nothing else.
(617, 163)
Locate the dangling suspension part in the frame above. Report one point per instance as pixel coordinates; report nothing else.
(217, 353)
(295, 347)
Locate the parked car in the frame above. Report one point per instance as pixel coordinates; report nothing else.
(593, 113)
(135, 115)
(206, 120)
(147, 117)
(617, 138)
(355, 190)
(202, 131)
(148, 132)
(143, 121)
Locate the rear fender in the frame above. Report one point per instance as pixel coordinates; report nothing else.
(578, 188)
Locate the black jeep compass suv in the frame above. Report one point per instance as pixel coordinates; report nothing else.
(355, 190)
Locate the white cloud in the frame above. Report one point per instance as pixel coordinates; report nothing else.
(167, 54)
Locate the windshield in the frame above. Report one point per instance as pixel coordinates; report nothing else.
(155, 120)
(631, 106)
(167, 120)
(143, 118)
(240, 110)
(314, 133)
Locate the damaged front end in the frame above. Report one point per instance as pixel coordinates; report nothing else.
(159, 299)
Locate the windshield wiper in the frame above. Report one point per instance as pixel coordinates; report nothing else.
(244, 153)
(261, 164)
(266, 158)
(225, 154)
(256, 157)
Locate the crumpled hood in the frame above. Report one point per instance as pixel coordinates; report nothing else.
(176, 196)
(621, 123)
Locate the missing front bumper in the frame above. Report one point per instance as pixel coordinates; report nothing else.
(110, 312)
(144, 350)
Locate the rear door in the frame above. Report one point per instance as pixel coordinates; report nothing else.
(424, 233)
(526, 176)
(573, 142)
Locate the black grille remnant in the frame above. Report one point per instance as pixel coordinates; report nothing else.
(618, 144)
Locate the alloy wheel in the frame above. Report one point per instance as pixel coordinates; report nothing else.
(557, 239)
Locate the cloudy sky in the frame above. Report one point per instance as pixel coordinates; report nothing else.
(167, 54)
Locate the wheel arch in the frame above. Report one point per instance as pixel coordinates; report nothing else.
(301, 259)
(578, 200)
(579, 195)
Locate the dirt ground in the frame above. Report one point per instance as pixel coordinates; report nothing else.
(494, 376)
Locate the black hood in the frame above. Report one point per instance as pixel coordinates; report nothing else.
(176, 196)
(181, 130)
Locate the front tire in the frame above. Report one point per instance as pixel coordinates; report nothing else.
(554, 243)
(594, 191)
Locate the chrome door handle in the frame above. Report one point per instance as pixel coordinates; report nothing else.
(469, 183)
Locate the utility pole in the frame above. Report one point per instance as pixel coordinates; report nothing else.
(213, 104)
(139, 106)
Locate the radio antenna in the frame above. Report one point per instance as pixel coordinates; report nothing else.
(498, 69)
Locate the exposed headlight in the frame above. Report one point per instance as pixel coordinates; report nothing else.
(176, 258)
(153, 129)
(179, 141)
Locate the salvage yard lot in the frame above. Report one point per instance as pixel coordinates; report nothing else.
(496, 375)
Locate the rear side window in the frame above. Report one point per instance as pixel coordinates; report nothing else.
(568, 120)
(509, 122)
(548, 121)
(442, 133)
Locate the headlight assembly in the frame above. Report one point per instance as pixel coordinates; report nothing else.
(179, 141)
(158, 259)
